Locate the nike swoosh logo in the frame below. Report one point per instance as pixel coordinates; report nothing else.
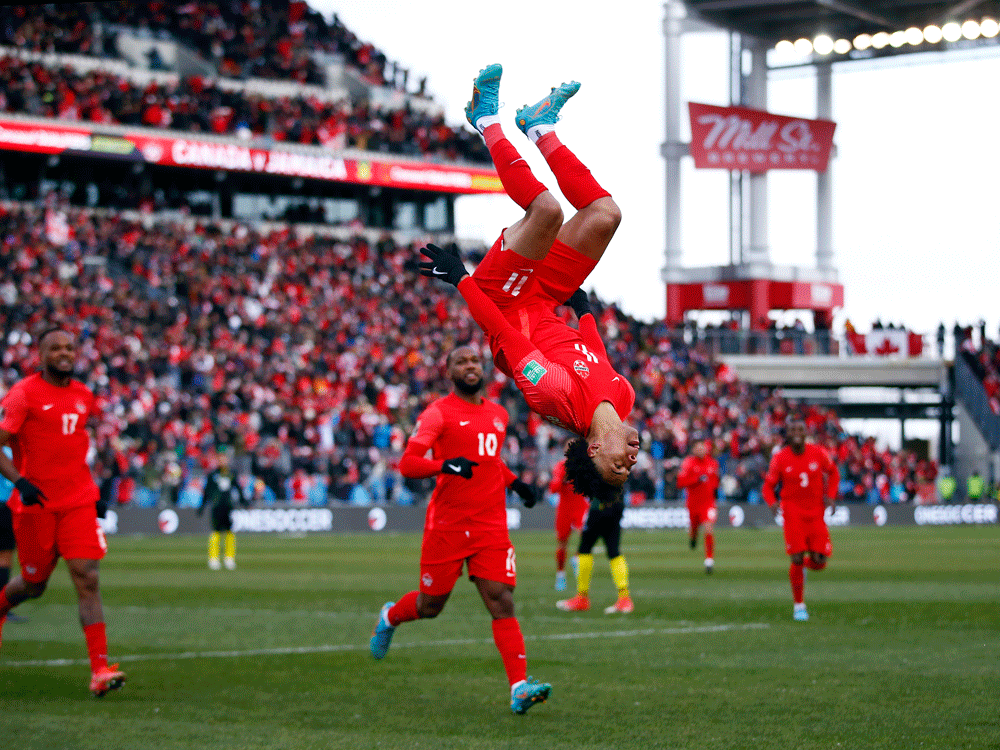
(454, 468)
(437, 272)
(47, 407)
(465, 422)
(614, 379)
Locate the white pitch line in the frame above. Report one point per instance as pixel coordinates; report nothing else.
(332, 648)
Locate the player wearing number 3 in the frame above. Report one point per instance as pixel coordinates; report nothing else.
(466, 520)
(537, 264)
(44, 419)
(809, 480)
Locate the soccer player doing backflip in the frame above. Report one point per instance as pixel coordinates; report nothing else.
(537, 264)
(809, 482)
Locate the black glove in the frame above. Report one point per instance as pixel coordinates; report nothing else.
(529, 495)
(579, 302)
(443, 264)
(102, 508)
(30, 494)
(460, 467)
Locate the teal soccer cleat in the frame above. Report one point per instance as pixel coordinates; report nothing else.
(800, 614)
(382, 635)
(546, 111)
(528, 694)
(485, 94)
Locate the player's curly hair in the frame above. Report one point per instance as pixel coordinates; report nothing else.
(583, 475)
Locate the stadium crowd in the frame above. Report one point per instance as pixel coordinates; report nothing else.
(241, 38)
(279, 346)
(194, 104)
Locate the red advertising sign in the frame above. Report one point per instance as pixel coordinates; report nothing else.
(318, 164)
(738, 138)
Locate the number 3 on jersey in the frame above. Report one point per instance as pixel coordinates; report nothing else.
(488, 444)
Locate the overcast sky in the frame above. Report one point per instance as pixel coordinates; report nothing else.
(916, 181)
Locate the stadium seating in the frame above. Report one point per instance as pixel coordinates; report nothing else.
(200, 336)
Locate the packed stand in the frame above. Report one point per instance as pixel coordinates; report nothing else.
(983, 359)
(281, 347)
(241, 38)
(195, 105)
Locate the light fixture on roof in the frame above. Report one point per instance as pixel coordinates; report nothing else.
(914, 36)
(880, 40)
(803, 46)
(933, 34)
(862, 41)
(842, 46)
(784, 47)
(970, 30)
(989, 28)
(951, 32)
(823, 45)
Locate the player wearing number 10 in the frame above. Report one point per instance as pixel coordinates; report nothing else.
(466, 520)
(537, 264)
(44, 420)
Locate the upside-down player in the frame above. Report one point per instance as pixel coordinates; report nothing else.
(537, 264)
(466, 520)
(571, 513)
(699, 475)
(809, 480)
(55, 500)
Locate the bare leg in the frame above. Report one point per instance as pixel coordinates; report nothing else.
(498, 597)
(84, 574)
(532, 235)
(429, 606)
(591, 228)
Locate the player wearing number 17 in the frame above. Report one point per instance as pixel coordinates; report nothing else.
(44, 420)
(466, 519)
(808, 479)
(537, 264)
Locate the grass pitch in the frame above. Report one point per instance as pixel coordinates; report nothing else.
(902, 649)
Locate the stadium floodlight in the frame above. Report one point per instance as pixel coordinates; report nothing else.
(933, 34)
(823, 45)
(880, 40)
(862, 41)
(914, 36)
(842, 46)
(784, 47)
(970, 29)
(989, 28)
(897, 39)
(951, 32)
(803, 46)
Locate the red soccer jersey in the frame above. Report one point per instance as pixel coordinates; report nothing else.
(568, 496)
(699, 493)
(805, 480)
(50, 440)
(451, 427)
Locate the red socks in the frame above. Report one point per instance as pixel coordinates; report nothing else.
(404, 610)
(797, 579)
(97, 645)
(710, 545)
(575, 180)
(518, 180)
(560, 559)
(510, 643)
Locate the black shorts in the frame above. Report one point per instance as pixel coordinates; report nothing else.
(222, 517)
(6, 528)
(606, 524)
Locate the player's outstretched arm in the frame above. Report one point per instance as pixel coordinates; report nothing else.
(444, 264)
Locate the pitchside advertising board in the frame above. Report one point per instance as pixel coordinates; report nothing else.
(278, 519)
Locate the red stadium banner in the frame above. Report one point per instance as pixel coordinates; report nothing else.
(738, 138)
(317, 164)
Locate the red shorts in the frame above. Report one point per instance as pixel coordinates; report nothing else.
(806, 533)
(45, 536)
(488, 555)
(702, 514)
(526, 291)
(570, 514)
